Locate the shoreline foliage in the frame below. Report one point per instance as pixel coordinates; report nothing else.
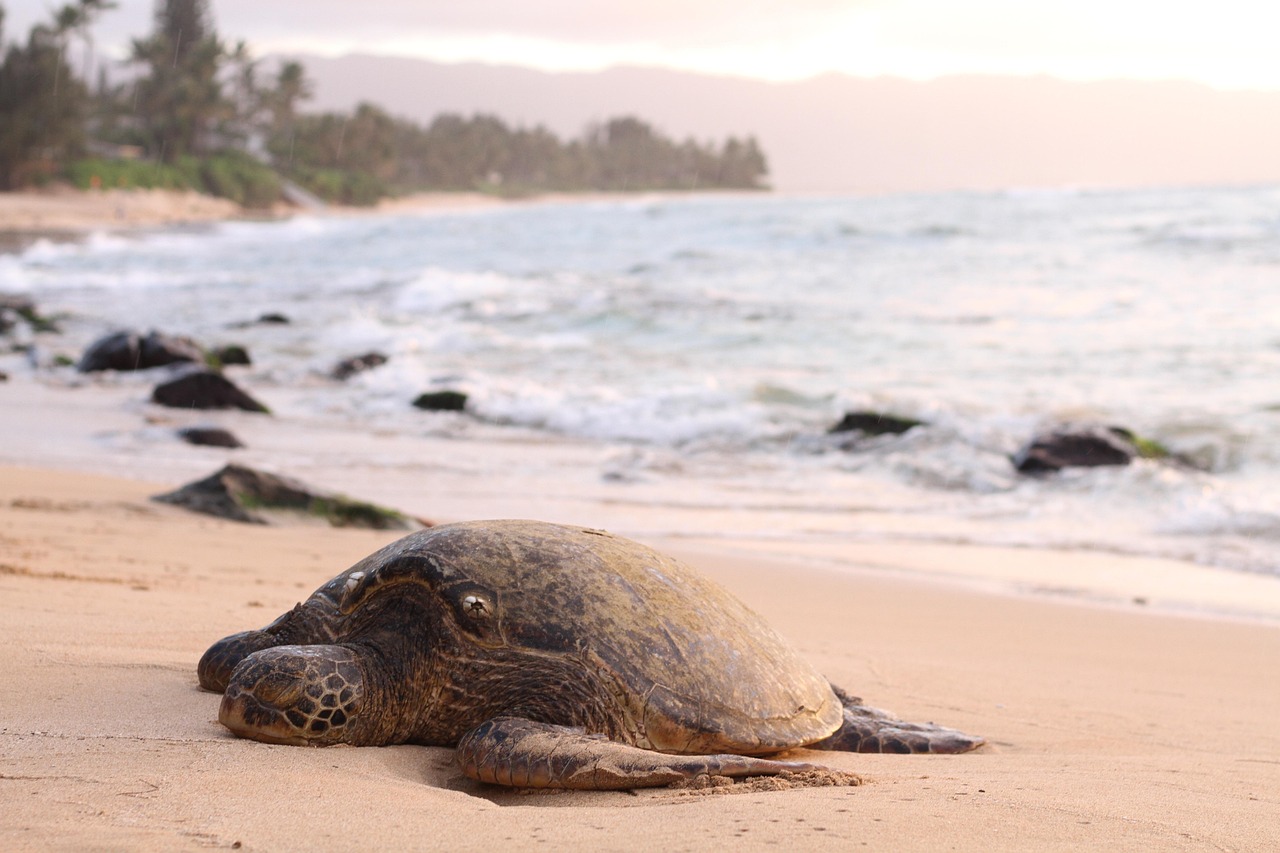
(198, 114)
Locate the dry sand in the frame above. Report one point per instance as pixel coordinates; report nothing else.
(1110, 728)
(67, 210)
(64, 210)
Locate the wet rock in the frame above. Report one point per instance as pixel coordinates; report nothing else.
(269, 319)
(128, 350)
(204, 389)
(209, 437)
(442, 401)
(232, 354)
(349, 367)
(15, 308)
(240, 493)
(1076, 447)
(874, 423)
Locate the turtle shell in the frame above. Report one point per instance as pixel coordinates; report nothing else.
(694, 669)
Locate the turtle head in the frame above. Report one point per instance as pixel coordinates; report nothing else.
(302, 695)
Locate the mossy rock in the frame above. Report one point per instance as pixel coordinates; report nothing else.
(224, 356)
(244, 494)
(1088, 447)
(1147, 448)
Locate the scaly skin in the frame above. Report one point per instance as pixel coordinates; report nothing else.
(298, 695)
(524, 754)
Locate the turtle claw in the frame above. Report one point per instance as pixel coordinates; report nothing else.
(525, 754)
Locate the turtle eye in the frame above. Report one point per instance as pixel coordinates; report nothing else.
(478, 612)
(475, 606)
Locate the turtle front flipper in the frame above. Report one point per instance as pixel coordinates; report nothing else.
(310, 622)
(867, 729)
(526, 754)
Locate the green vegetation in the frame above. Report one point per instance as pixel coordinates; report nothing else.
(342, 511)
(198, 107)
(42, 104)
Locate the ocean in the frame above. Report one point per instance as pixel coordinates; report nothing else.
(671, 365)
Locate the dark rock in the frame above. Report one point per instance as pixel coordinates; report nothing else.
(129, 351)
(442, 401)
(271, 319)
(209, 437)
(230, 354)
(257, 497)
(1086, 446)
(14, 308)
(204, 389)
(874, 423)
(4, 377)
(349, 367)
(16, 303)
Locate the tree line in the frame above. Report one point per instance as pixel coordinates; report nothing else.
(201, 113)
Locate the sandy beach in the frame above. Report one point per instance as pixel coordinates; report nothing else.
(64, 211)
(1109, 729)
(1129, 702)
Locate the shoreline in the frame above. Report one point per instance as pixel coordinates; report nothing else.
(67, 214)
(106, 426)
(1129, 730)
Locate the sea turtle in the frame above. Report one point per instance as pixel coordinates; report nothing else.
(551, 656)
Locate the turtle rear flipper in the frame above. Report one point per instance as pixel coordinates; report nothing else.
(525, 754)
(867, 729)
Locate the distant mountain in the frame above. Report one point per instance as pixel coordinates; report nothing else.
(836, 133)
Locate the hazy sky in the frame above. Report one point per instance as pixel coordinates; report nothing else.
(1226, 43)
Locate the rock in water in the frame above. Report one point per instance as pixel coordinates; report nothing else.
(245, 494)
(231, 354)
(442, 401)
(209, 437)
(874, 423)
(204, 389)
(128, 350)
(1087, 447)
(349, 367)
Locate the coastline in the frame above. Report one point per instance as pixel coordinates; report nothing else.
(1124, 730)
(68, 213)
(71, 211)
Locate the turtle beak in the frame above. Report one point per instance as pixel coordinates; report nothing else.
(301, 695)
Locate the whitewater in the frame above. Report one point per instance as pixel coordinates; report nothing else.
(679, 360)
